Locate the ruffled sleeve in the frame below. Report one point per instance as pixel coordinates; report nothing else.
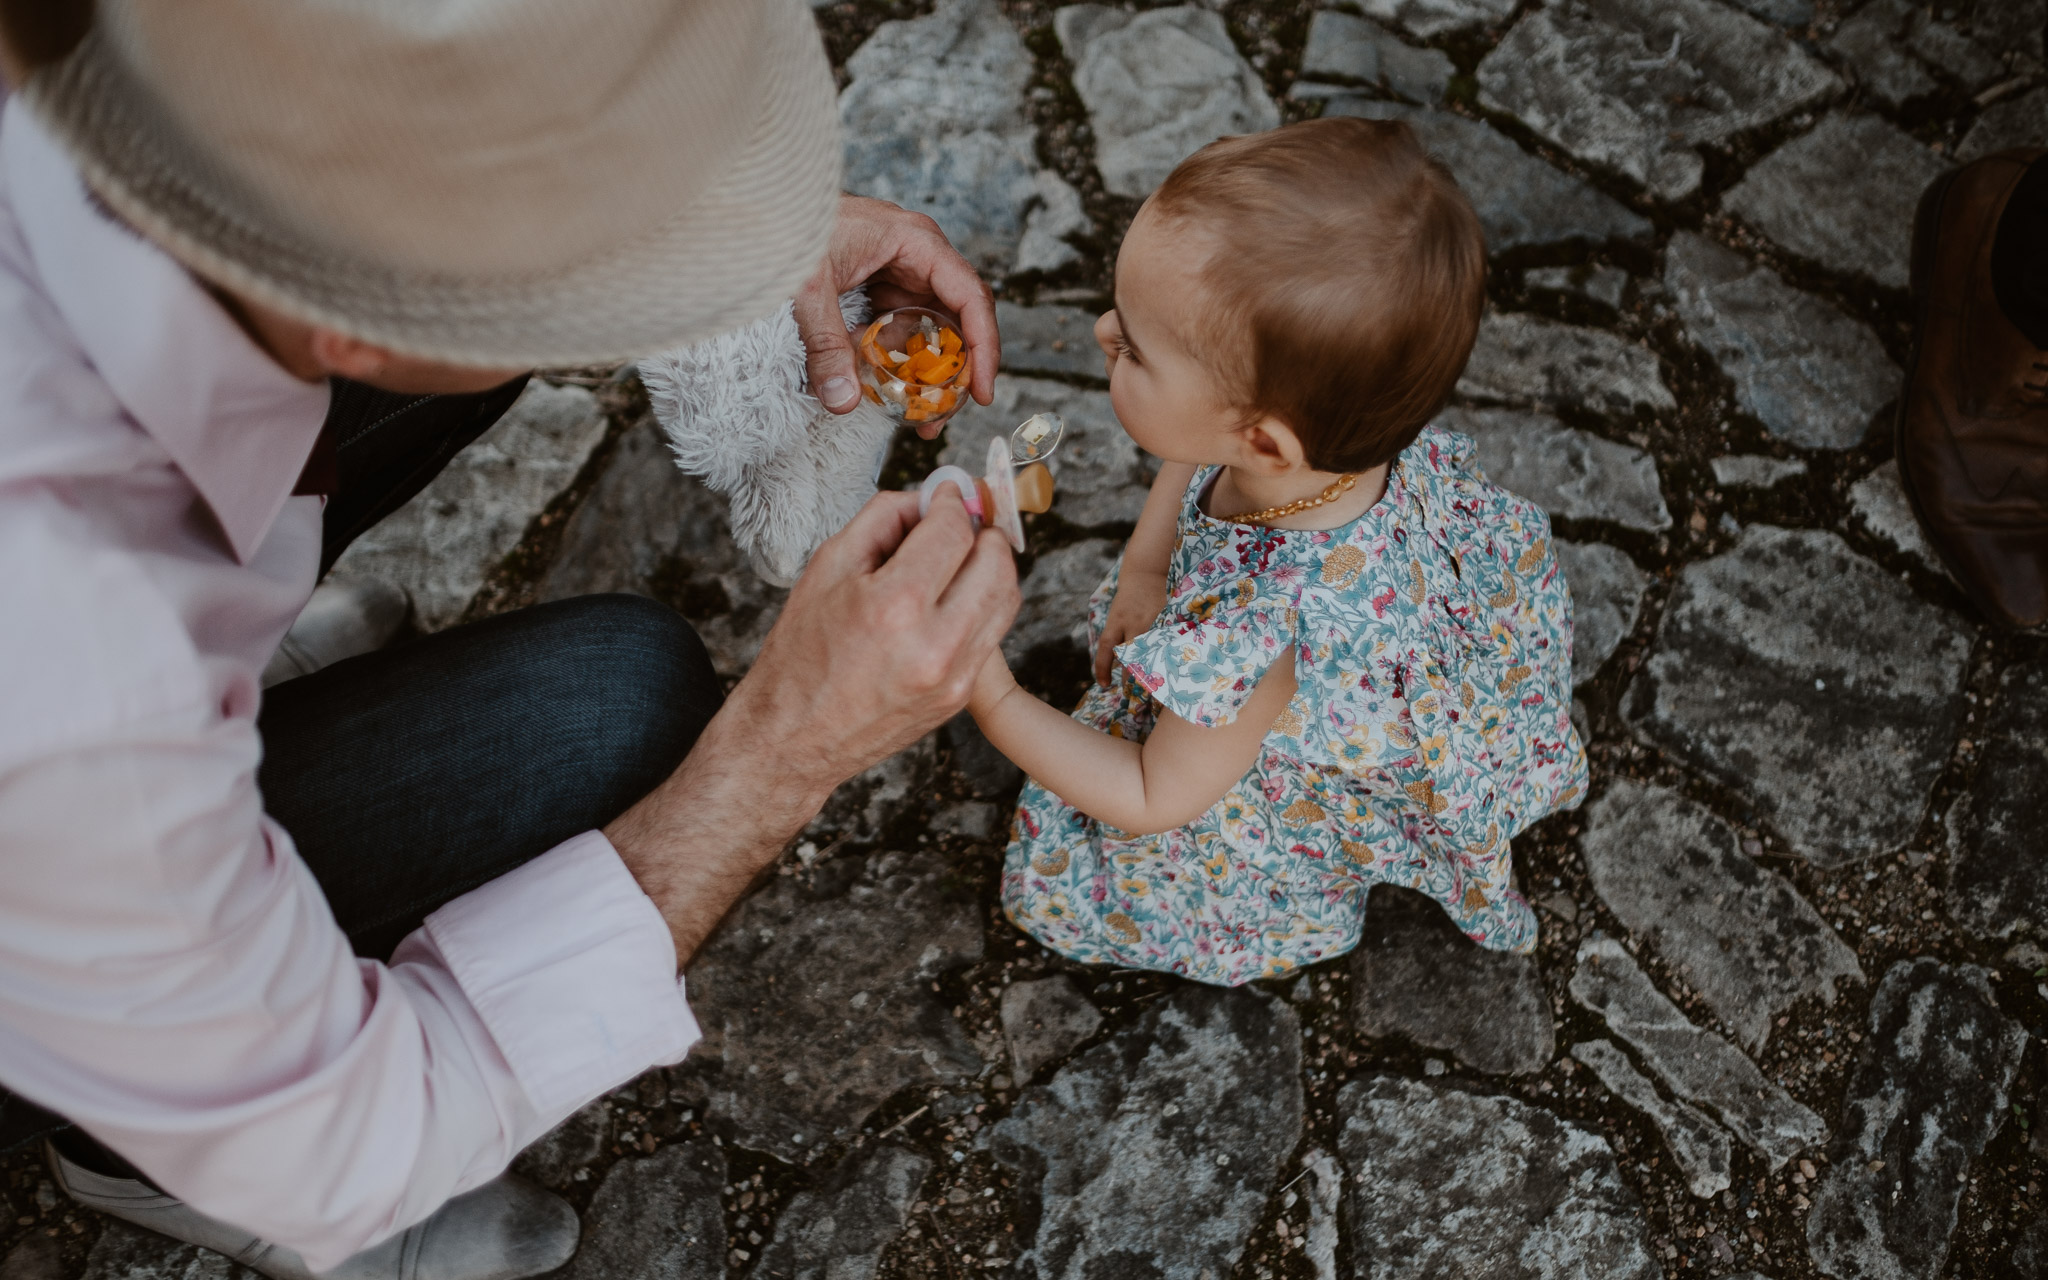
(1205, 656)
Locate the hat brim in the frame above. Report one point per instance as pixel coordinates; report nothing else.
(732, 255)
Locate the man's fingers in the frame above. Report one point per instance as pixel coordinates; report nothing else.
(869, 539)
(828, 352)
(982, 597)
(932, 552)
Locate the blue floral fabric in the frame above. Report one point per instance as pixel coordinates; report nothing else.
(1431, 724)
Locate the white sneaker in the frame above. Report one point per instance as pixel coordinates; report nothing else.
(344, 617)
(506, 1229)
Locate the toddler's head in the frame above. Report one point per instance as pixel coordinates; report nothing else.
(1320, 283)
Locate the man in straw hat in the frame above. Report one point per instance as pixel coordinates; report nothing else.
(264, 266)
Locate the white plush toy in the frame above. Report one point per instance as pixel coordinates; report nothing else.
(738, 416)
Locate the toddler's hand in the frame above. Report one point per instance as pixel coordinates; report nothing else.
(1140, 598)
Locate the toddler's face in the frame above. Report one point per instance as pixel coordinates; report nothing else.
(1164, 394)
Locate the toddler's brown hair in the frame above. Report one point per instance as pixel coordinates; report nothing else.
(1346, 275)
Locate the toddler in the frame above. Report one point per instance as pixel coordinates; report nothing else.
(1333, 654)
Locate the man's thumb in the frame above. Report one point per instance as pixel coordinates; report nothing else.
(828, 352)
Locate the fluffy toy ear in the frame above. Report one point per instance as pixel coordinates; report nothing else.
(738, 415)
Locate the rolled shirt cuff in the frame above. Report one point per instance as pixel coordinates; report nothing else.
(572, 970)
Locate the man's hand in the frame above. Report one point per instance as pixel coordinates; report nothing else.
(905, 260)
(879, 643)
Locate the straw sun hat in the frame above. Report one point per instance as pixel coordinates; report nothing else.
(491, 182)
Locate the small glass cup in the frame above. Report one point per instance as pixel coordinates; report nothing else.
(915, 365)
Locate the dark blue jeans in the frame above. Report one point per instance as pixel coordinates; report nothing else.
(411, 776)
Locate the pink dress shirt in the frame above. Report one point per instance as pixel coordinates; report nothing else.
(170, 975)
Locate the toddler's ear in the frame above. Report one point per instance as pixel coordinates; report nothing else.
(1270, 447)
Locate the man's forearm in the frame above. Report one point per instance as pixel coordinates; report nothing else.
(698, 841)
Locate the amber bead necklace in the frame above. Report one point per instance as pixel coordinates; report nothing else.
(1342, 486)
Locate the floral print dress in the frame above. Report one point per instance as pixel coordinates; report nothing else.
(1431, 724)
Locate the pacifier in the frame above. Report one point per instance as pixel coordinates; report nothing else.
(1015, 480)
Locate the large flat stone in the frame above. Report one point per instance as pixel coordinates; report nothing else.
(1520, 199)
(1044, 1020)
(1158, 85)
(1155, 1152)
(1841, 194)
(649, 529)
(125, 1252)
(1607, 596)
(1054, 612)
(934, 120)
(1048, 339)
(861, 808)
(2016, 122)
(1741, 936)
(1428, 18)
(838, 1230)
(1929, 1091)
(443, 544)
(1878, 502)
(1572, 474)
(1809, 373)
(1446, 1183)
(1636, 85)
(1415, 975)
(1813, 682)
(1696, 1065)
(1100, 475)
(1346, 47)
(1701, 1147)
(1998, 865)
(1522, 357)
(656, 1219)
(817, 1004)
(1869, 43)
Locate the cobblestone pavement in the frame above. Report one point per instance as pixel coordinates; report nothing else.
(1785, 1018)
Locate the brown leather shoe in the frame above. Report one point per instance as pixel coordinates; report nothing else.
(1973, 420)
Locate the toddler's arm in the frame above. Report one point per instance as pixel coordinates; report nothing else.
(1163, 783)
(1141, 584)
